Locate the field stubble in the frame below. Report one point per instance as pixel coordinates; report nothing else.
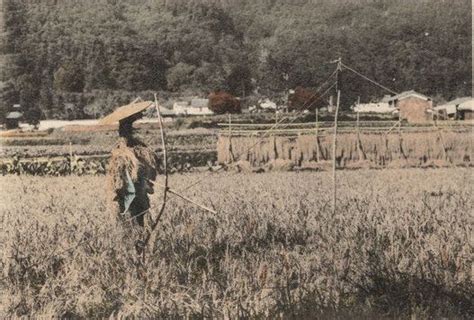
(400, 245)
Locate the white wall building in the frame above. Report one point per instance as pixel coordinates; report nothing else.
(267, 104)
(195, 107)
(180, 107)
(378, 107)
(451, 107)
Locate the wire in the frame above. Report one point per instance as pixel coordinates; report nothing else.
(317, 90)
(368, 79)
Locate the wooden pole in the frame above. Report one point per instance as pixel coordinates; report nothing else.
(229, 151)
(357, 122)
(334, 146)
(360, 150)
(70, 157)
(358, 138)
(440, 136)
(176, 193)
(317, 136)
(165, 159)
(400, 137)
(150, 237)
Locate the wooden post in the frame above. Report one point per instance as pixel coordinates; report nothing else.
(357, 123)
(229, 151)
(70, 157)
(360, 152)
(151, 234)
(400, 138)
(441, 139)
(317, 136)
(334, 146)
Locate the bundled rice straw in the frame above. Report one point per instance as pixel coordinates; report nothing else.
(408, 149)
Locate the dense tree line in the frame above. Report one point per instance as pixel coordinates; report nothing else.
(76, 59)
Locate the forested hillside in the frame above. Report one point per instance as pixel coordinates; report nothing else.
(96, 54)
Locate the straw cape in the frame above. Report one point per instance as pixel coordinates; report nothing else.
(125, 112)
(136, 161)
(132, 166)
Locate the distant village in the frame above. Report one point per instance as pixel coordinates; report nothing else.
(410, 106)
(415, 107)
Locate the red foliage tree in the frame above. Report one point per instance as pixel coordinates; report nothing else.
(304, 99)
(222, 102)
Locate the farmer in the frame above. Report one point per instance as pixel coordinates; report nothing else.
(132, 167)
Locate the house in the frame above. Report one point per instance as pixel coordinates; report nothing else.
(267, 104)
(194, 107)
(466, 109)
(450, 109)
(12, 120)
(413, 107)
(199, 107)
(377, 107)
(180, 107)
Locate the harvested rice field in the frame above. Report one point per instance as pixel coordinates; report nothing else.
(399, 246)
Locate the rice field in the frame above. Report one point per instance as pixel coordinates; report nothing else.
(399, 246)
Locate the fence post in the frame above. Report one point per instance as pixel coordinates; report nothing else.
(334, 146)
(317, 136)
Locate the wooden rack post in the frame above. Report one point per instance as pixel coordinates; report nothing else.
(400, 138)
(70, 157)
(317, 136)
(230, 158)
(441, 139)
(360, 151)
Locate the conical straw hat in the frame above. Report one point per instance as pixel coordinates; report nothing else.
(125, 112)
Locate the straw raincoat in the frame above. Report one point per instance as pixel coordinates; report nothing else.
(131, 170)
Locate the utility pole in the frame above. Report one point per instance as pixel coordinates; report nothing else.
(338, 72)
(334, 145)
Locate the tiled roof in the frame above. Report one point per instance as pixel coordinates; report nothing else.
(407, 94)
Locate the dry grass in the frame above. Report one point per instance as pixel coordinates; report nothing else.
(414, 150)
(19, 134)
(400, 246)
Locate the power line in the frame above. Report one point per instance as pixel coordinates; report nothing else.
(368, 79)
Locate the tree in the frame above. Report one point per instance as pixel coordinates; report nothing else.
(221, 102)
(69, 77)
(179, 76)
(304, 99)
(233, 46)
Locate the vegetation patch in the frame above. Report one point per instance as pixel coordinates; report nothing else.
(397, 247)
